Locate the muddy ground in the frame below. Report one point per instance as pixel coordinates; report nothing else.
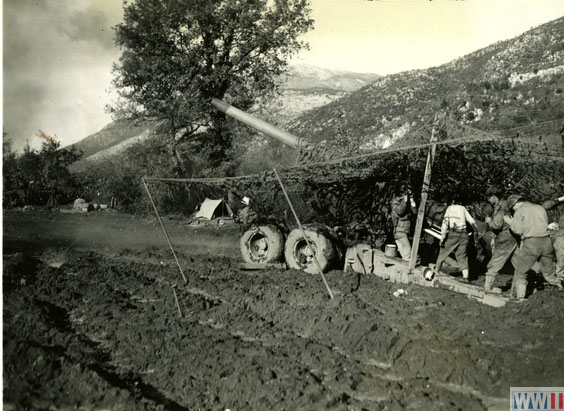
(96, 315)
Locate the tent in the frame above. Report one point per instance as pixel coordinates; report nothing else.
(213, 209)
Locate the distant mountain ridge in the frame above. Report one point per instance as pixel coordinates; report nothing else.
(306, 77)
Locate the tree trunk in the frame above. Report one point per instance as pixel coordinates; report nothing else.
(221, 143)
(177, 168)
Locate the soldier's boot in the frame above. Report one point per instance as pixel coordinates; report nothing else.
(553, 280)
(488, 285)
(512, 290)
(520, 289)
(465, 276)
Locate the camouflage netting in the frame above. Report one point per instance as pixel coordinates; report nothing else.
(356, 191)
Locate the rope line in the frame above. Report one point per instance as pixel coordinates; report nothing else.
(455, 141)
(443, 123)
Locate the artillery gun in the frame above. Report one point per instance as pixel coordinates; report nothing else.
(343, 197)
(531, 166)
(266, 244)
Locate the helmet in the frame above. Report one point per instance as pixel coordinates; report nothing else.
(246, 200)
(512, 200)
(405, 189)
(549, 204)
(493, 199)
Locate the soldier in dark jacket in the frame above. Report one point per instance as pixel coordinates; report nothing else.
(403, 207)
(504, 243)
(246, 215)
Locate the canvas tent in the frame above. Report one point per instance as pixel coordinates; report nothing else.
(210, 209)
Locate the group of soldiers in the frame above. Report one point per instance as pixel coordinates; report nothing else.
(519, 231)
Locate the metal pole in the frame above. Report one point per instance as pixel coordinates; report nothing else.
(303, 233)
(421, 210)
(176, 300)
(164, 230)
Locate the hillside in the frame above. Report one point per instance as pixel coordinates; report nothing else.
(113, 135)
(304, 88)
(515, 85)
(509, 84)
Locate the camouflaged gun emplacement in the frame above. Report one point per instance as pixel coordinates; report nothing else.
(356, 191)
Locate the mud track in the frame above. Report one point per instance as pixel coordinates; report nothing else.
(102, 330)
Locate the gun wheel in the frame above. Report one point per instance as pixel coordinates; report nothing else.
(301, 254)
(261, 245)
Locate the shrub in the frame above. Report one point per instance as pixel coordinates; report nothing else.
(39, 177)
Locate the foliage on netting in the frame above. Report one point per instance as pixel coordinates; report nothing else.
(506, 167)
(356, 192)
(534, 131)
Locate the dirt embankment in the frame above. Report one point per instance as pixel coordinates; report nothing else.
(97, 329)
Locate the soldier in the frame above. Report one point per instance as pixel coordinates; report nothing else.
(504, 243)
(454, 236)
(401, 219)
(530, 222)
(246, 214)
(556, 230)
(558, 242)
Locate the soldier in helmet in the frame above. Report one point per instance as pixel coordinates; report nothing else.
(530, 222)
(403, 208)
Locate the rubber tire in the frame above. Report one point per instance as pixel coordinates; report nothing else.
(250, 244)
(295, 245)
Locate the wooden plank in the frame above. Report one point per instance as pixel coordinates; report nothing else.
(261, 266)
(453, 284)
(396, 270)
(473, 291)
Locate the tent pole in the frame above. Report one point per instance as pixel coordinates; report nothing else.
(306, 238)
(164, 229)
(422, 205)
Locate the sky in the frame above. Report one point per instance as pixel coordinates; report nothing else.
(58, 54)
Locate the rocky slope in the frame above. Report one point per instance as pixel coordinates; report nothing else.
(509, 84)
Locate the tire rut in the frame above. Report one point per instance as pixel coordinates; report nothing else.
(86, 353)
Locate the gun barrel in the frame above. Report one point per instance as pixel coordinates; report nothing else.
(256, 123)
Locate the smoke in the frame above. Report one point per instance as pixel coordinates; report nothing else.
(57, 67)
(89, 25)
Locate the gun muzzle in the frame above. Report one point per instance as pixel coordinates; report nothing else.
(260, 125)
